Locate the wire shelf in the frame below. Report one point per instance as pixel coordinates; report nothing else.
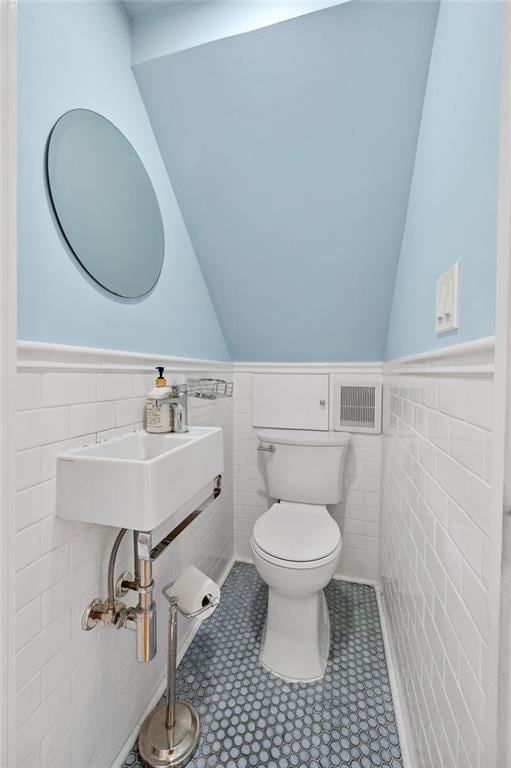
(210, 389)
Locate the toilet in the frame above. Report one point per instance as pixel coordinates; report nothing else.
(296, 546)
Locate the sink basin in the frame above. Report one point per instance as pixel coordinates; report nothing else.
(139, 480)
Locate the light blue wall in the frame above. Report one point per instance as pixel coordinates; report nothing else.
(452, 212)
(78, 54)
(291, 151)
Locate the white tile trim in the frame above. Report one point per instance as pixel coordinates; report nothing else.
(398, 698)
(355, 580)
(160, 688)
(42, 356)
(470, 358)
(262, 367)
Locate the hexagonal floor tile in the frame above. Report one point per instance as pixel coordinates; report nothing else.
(250, 718)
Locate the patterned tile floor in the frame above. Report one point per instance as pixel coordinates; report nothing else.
(251, 718)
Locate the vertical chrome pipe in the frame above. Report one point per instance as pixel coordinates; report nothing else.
(111, 568)
(136, 574)
(170, 714)
(145, 613)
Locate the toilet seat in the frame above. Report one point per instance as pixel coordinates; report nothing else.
(294, 565)
(297, 535)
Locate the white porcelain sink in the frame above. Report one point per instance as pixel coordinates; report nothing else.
(139, 480)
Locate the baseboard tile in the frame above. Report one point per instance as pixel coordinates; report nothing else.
(357, 580)
(398, 698)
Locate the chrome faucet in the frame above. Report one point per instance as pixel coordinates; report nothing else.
(179, 408)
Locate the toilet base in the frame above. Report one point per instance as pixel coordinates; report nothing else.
(296, 638)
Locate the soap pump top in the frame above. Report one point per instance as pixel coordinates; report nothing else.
(161, 381)
(161, 390)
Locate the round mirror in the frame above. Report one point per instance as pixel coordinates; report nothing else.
(105, 203)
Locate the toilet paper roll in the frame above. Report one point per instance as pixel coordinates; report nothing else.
(194, 590)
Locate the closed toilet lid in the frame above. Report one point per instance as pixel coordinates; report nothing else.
(299, 532)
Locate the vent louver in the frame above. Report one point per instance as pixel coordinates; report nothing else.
(358, 407)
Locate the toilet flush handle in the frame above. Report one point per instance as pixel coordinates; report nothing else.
(266, 448)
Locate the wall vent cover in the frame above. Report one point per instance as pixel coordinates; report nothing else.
(358, 407)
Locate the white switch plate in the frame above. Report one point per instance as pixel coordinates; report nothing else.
(447, 290)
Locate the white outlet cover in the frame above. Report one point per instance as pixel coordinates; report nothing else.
(447, 292)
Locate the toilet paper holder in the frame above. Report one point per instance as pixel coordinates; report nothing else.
(170, 734)
(172, 600)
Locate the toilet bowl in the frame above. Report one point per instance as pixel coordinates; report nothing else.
(297, 632)
(296, 547)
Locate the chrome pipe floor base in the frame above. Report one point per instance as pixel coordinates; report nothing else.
(162, 747)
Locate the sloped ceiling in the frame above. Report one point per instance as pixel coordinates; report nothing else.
(291, 150)
(136, 8)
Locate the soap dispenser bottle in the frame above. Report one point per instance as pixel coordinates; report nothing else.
(158, 410)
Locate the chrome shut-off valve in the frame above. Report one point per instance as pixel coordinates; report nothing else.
(118, 615)
(114, 613)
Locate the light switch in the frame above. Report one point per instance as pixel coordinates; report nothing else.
(447, 300)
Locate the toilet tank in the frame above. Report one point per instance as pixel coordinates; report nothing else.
(303, 466)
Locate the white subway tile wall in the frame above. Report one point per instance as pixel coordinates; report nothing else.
(357, 515)
(434, 549)
(81, 694)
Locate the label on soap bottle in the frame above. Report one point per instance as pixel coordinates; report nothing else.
(157, 416)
